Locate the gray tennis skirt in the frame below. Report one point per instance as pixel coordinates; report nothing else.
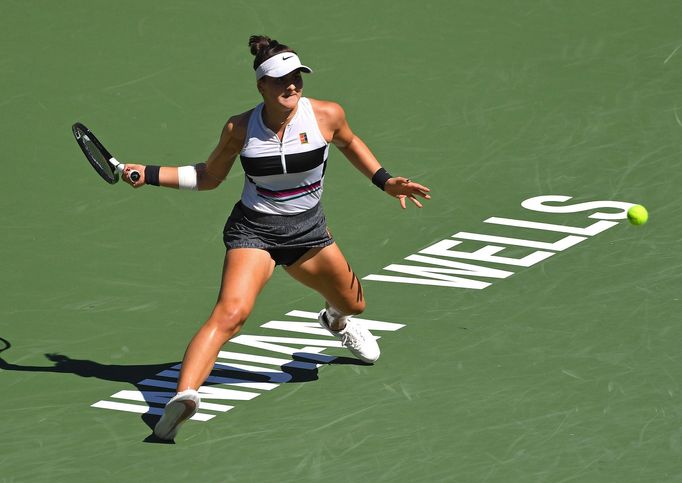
(285, 237)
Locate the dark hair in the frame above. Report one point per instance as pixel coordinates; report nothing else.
(264, 47)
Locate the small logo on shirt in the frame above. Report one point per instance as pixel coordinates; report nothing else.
(303, 137)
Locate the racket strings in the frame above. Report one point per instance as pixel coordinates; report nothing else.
(96, 157)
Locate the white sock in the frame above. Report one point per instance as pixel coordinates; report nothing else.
(337, 320)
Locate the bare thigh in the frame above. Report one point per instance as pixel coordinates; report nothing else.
(327, 271)
(245, 272)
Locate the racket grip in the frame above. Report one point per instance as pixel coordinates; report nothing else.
(134, 174)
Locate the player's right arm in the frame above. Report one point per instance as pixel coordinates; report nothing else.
(202, 176)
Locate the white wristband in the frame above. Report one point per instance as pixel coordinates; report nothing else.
(187, 178)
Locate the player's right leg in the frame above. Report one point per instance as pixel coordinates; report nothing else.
(245, 272)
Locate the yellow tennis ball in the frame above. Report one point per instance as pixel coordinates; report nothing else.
(637, 215)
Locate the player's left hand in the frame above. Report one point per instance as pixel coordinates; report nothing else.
(404, 188)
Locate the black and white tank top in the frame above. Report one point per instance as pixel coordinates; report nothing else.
(284, 177)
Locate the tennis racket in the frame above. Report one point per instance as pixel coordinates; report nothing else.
(104, 163)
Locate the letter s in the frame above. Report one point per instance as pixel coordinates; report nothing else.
(537, 204)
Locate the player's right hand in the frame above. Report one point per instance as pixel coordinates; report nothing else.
(129, 169)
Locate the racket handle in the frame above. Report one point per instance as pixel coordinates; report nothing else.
(134, 174)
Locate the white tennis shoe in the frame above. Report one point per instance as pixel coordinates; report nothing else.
(178, 410)
(354, 337)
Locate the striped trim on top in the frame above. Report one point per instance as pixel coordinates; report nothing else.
(271, 165)
(291, 194)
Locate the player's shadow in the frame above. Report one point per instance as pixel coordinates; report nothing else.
(131, 374)
(135, 375)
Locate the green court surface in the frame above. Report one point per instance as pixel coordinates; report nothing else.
(567, 369)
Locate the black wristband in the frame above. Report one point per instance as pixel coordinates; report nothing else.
(380, 177)
(151, 175)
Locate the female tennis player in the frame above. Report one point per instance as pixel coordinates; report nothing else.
(283, 144)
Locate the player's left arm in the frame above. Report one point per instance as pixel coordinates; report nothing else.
(332, 117)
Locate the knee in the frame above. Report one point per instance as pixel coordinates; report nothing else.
(228, 317)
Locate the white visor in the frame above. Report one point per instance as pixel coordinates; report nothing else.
(280, 65)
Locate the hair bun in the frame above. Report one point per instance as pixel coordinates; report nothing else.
(264, 47)
(259, 43)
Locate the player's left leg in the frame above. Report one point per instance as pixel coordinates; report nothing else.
(327, 271)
